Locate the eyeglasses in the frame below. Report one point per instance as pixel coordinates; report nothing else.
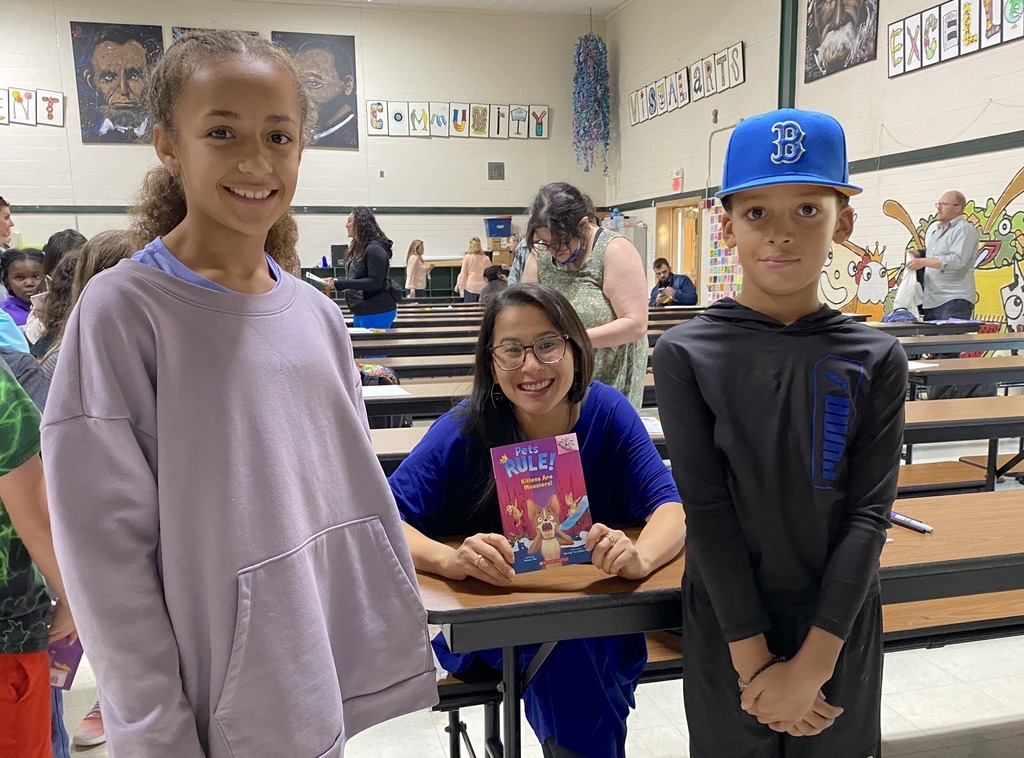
(951, 205)
(511, 355)
(551, 247)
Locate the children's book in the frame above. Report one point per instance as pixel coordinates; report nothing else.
(545, 511)
(64, 660)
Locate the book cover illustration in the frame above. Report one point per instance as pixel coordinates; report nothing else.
(64, 661)
(545, 512)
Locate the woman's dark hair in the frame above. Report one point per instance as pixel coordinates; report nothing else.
(60, 244)
(103, 251)
(367, 231)
(13, 256)
(490, 419)
(59, 301)
(160, 205)
(559, 208)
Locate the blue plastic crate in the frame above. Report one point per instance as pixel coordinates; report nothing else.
(500, 226)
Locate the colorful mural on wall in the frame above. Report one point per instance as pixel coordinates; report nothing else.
(856, 280)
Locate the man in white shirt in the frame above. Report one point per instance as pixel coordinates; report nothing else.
(951, 246)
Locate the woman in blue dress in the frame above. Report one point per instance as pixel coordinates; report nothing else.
(532, 380)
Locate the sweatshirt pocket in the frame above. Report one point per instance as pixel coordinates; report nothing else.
(332, 619)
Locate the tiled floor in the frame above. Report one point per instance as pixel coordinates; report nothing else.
(961, 701)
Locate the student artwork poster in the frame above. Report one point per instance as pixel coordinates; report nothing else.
(545, 512)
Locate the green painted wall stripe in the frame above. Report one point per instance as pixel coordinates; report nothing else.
(979, 146)
(788, 30)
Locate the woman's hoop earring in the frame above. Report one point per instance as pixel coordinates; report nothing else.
(497, 396)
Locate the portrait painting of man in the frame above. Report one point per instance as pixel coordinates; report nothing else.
(111, 63)
(327, 64)
(840, 34)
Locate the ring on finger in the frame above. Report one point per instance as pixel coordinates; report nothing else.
(610, 538)
(479, 558)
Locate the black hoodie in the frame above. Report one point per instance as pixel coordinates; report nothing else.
(785, 443)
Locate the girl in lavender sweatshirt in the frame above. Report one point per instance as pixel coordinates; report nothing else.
(234, 556)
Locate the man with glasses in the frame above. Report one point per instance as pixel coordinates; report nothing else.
(951, 247)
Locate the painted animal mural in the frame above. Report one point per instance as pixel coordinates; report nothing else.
(1013, 300)
(851, 276)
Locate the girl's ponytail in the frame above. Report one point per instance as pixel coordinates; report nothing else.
(159, 206)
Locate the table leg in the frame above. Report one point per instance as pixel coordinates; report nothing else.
(1007, 467)
(993, 465)
(511, 692)
(492, 731)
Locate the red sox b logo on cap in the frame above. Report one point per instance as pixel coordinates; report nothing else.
(789, 142)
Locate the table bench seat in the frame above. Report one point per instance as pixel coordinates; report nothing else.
(981, 461)
(940, 477)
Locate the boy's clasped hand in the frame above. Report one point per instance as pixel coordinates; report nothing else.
(788, 699)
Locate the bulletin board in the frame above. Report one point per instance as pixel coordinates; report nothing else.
(724, 275)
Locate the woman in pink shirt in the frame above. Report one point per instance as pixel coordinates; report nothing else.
(471, 279)
(416, 270)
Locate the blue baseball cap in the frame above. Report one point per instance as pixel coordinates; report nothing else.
(787, 146)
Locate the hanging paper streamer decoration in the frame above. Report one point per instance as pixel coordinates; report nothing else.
(591, 106)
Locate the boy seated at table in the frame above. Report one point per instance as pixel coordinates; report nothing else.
(784, 423)
(532, 380)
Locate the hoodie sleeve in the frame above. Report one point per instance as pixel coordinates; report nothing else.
(714, 537)
(874, 466)
(100, 459)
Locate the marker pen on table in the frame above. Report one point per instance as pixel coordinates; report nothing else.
(909, 523)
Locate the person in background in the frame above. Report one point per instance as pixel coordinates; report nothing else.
(951, 247)
(36, 384)
(21, 272)
(198, 546)
(6, 225)
(532, 379)
(470, 282)
(601, 274)
(496, 282)
(519, 254)
(59, 303)
(29, 374)
(671, 289)
(11, 335)
(784, 425)
(416, 270)
(367, 264)
(59, 245)
(28, 566)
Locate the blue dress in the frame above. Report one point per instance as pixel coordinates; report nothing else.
(583, 692)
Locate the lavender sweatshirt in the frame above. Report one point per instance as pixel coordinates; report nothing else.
(232, 552)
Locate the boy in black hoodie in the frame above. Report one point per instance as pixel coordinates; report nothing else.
(784, 422)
